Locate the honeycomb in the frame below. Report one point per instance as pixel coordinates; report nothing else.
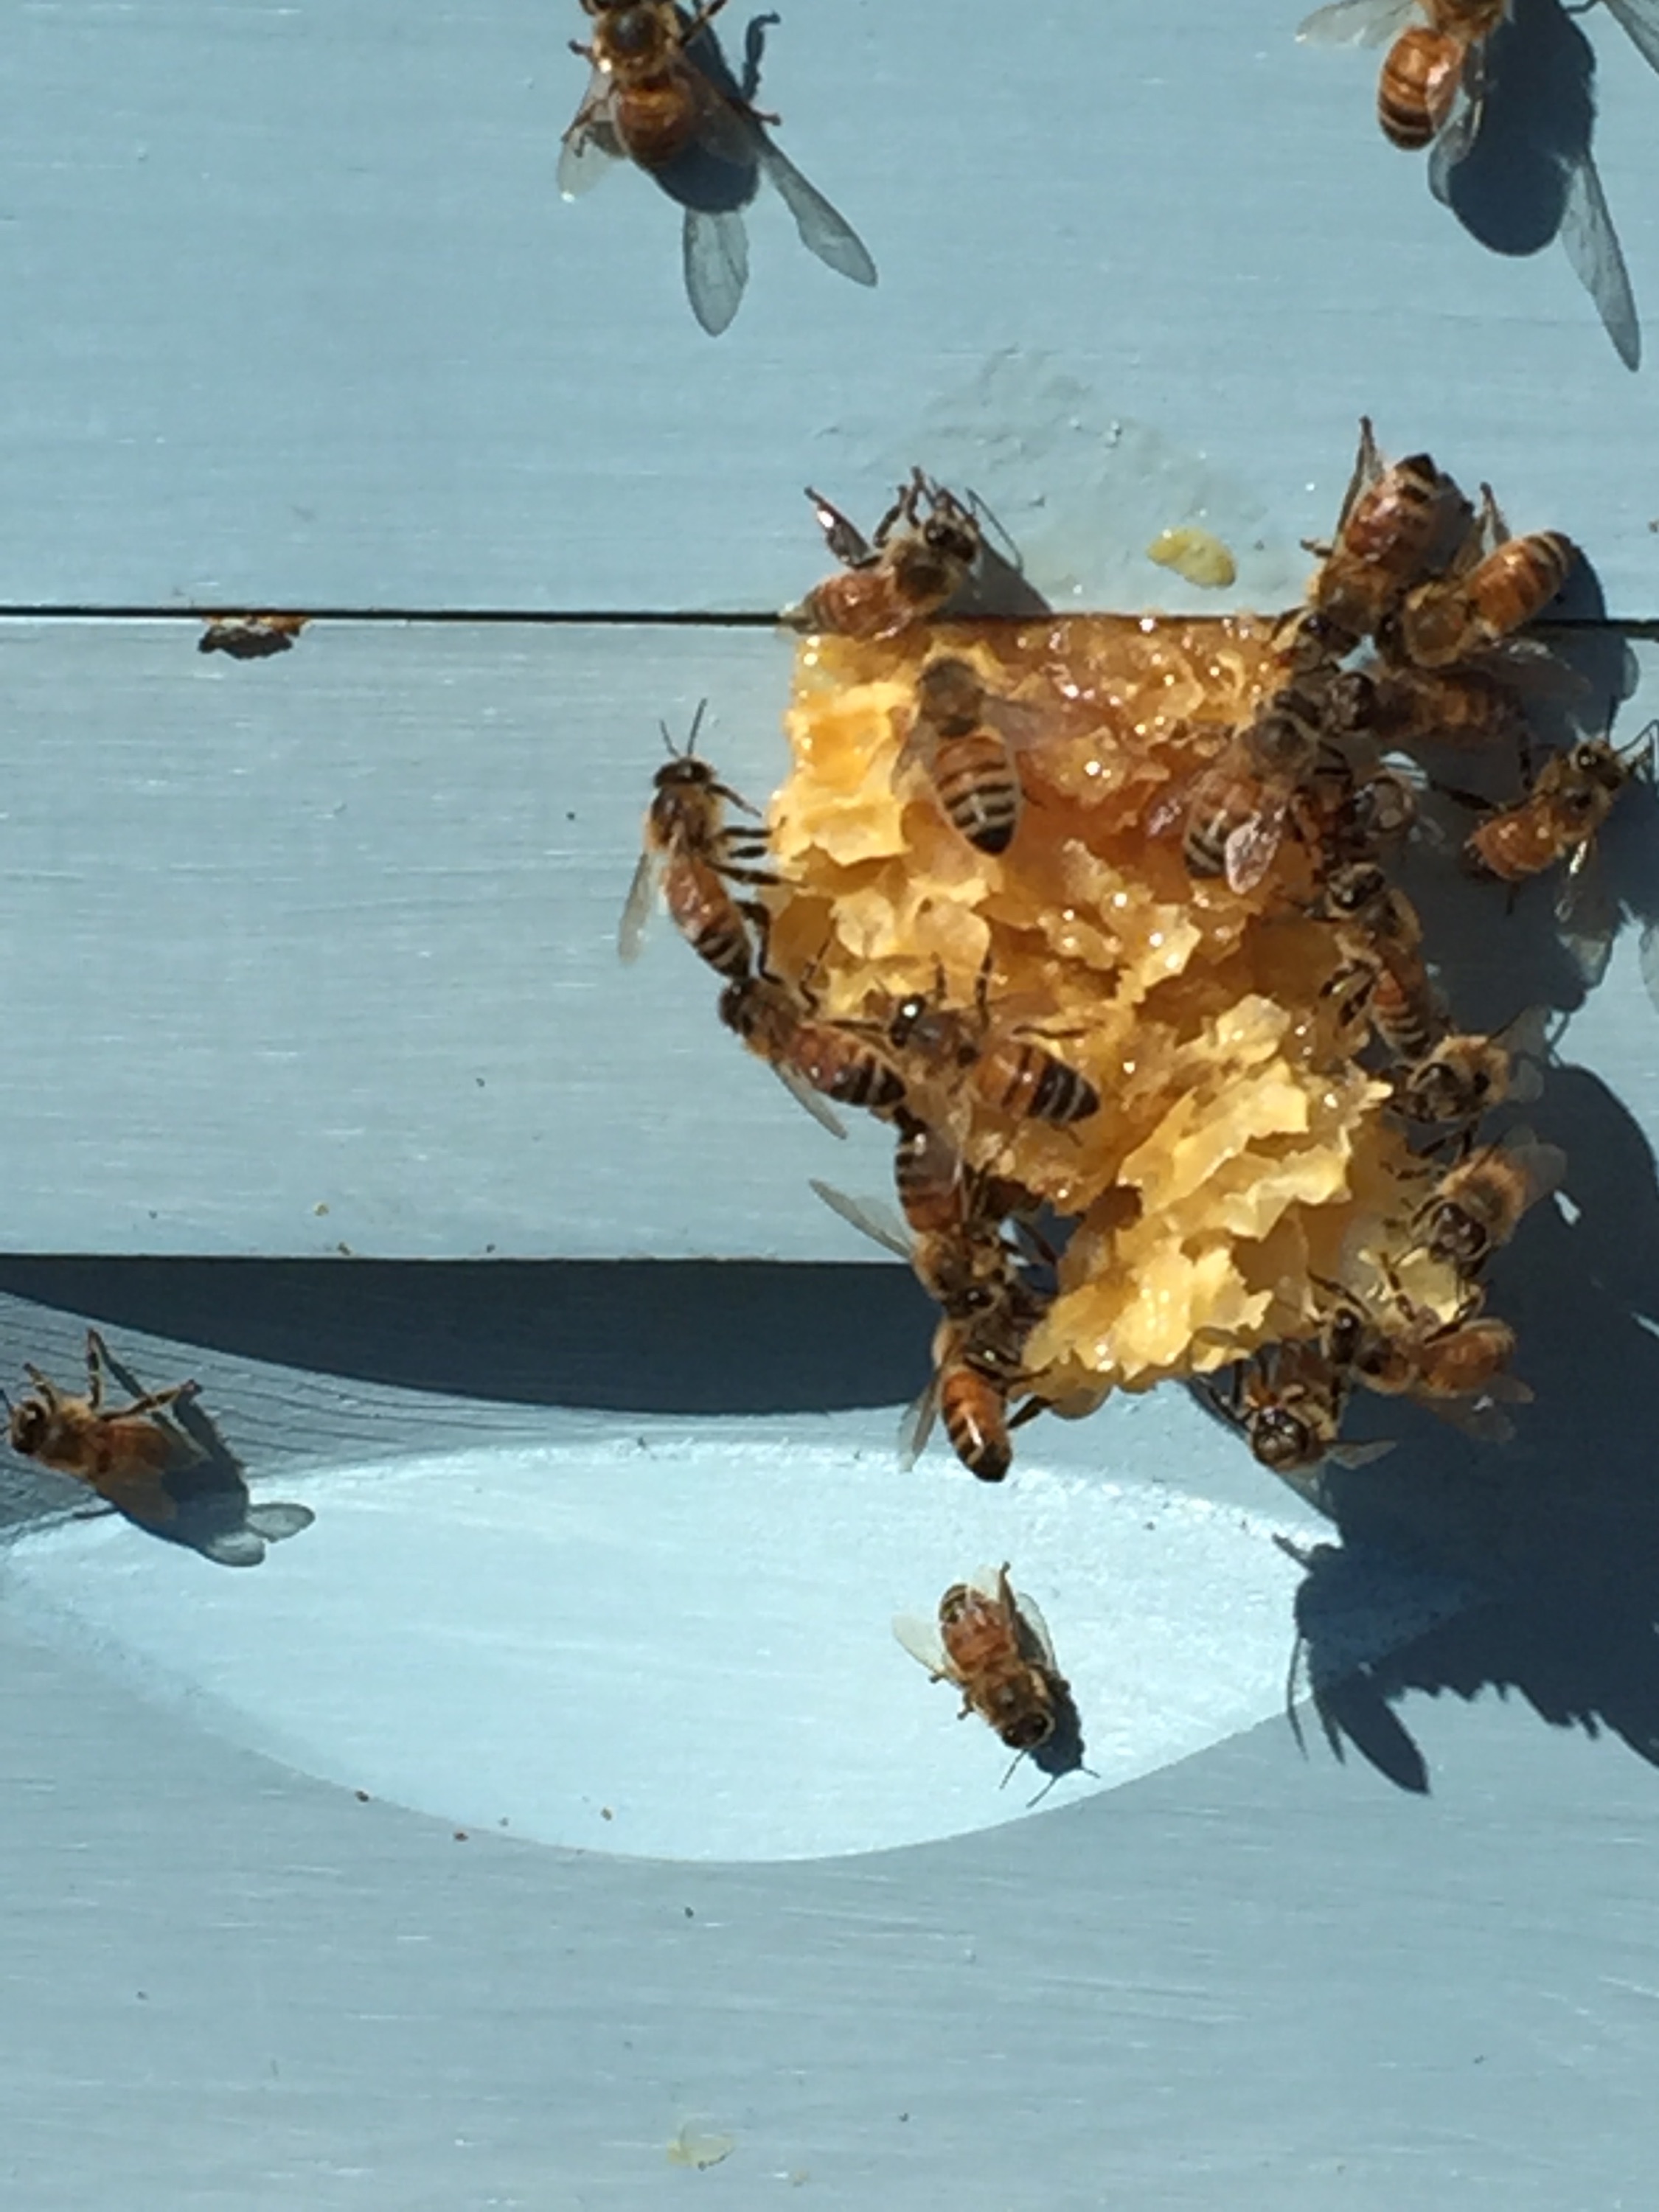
(1239, 1154)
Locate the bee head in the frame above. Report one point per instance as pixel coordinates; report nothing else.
(1028, 1730)
(1282, 1440)
(27, 1426)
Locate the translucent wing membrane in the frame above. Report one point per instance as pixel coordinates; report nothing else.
(1598, 261)
(1640, 20)
(637, 910)
(868, 1216)
(822, 231)
(590, 146)
(920, 1638)
(1355, 23)
(716, 252)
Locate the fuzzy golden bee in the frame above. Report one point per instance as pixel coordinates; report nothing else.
(661, 97)
(123, 1452)
(1384, 975)
(692, 854)
(993, 1643)
(962, 739)
(1570, 799)
(924, 550)
(1394, 519)
(1008, 1071)
(1478, 1204)
(1485, 596)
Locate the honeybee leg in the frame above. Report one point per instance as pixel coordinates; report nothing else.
(587, 52)
(96, 1356)
(1028, 1411)
(153, 1402)
(44, 1384)
(1367, 462)
(704, 16)
(753, 53)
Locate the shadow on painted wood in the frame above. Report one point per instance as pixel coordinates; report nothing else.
(1556, 1533)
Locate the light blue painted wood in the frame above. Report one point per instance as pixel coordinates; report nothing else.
(337, 931)
(294, 316)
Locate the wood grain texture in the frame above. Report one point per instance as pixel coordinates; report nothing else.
(294, 316)
(320, 953)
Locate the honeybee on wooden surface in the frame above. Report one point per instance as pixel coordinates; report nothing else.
(1287, 1401)
(1237, 811)
(1429, 64)
(993, 1643)
(962, 737)
(250, 637)
(1571, 798)
(1485, 596)
(692, 853)
(923, 550)
(1009, 1072)
(1466, 1073)
(1394, 521)
(1478, 1203)
(122, 1452)
(662, 97)
(1383, 977)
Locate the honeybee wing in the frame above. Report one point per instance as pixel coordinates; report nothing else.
(921, 1639)
(1586, 915)
(1543, 1164)
(1640, 20)
(637, 908)
(1598, 261)
(916, 1424)
(822, 231)
(1034, 1631)
(1648, 958)
(869, 1216)
(590, 145)
(1355, 23)
(814, 1101)
(1250, 848)
(1454, 145)
(714, 246)
(1360, 1455)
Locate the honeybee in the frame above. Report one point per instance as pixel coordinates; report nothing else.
(1463, 707)
(813, 1058)
(1486, 597)
(1422, 76)
(1478, 1204)
(1406, 1350)
(913, 566)
(250, 637)
(1383, 974)
(962, 738)
(662, 97)
(1467, 1073)
(993, 1643)
(1571, 798)
(1394, 521)
(965, 1265)
(693, 853)
(1009, 1072)
(121, 1451)
(1238, 809)
(1287, 1401)
(979, 1352)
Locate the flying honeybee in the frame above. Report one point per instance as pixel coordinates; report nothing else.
(1394, 519)
(662, 97)
(993, 1643)
(1382, 975)
(1009, 1072)
(693, 853)
(962, 736)
(123, 1452)
(1496, 585)
(1478, 1203)
(923, 552)
(1466, 1073)
(250, 637)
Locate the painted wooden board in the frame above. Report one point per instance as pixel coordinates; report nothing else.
(319, 952)
(294, 314)
(261, 1976)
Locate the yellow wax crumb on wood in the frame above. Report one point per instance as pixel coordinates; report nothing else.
(1197, 555)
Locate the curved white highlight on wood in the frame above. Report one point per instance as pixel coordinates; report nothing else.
(675, 1643)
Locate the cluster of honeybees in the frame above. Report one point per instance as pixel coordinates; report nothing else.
(1100, 914)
